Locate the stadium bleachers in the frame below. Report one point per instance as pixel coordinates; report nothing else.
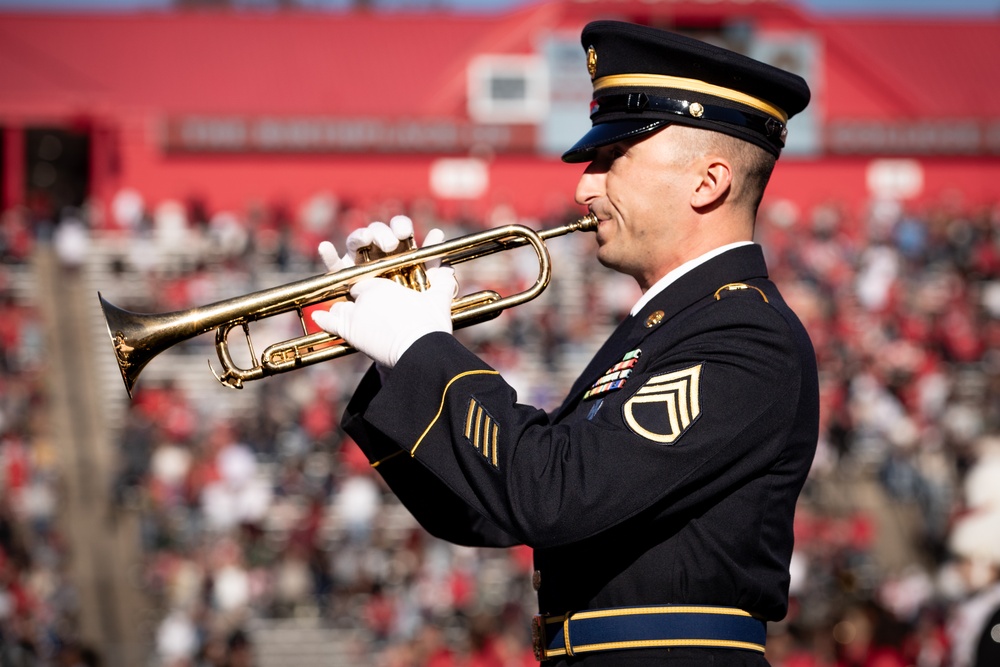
(260, 528)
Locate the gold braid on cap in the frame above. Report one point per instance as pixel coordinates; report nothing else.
(694, 85)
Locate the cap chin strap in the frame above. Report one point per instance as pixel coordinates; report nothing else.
(769, 127)
(693, 85)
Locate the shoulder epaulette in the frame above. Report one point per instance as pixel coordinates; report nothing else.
(738, 288)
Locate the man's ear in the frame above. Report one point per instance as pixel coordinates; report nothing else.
(715, 182)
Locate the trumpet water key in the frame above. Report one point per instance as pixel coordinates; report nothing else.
(138, 337)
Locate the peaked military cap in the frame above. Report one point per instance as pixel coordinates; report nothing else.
(645, 78)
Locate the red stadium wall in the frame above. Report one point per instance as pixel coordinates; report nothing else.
(118, 80)
(534, 186)
(946, 180)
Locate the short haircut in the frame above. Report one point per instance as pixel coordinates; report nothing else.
(751, 164)
(752, 167)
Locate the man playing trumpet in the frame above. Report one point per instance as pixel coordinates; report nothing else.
(659, 497)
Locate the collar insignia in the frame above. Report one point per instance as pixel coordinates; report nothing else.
(654, 318)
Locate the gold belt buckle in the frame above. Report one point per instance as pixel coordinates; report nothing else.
(538, 636)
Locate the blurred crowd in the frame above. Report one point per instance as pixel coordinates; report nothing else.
(38, 601)
(276, 514)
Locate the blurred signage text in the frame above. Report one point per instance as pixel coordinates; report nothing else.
(918, 137)
(208, 134)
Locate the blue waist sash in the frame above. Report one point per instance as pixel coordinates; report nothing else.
(660, 626)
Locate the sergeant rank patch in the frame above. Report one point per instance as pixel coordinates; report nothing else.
(614, 378)
(482, 432)
(666, 405)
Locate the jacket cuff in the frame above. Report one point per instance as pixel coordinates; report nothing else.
(377, 447)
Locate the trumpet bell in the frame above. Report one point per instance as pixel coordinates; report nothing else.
(136, 338)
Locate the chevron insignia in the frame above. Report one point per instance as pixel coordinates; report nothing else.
(482, 432)
(666, 405)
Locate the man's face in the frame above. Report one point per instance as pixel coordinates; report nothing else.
(640, 192)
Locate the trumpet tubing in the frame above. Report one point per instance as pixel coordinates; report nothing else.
(138, 337)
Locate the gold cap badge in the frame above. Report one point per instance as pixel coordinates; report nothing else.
(592, 62)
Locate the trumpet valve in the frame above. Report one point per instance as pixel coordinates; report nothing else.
(413, 277)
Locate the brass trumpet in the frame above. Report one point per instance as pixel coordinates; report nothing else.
(138, 337)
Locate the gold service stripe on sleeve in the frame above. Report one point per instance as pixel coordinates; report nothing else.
(444, 394)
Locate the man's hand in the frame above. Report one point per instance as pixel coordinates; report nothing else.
(378, 235)
(385, 318)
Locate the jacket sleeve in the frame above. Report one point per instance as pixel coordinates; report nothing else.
(701, 417)
(440, 511)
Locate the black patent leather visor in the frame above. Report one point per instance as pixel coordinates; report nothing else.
(608, 133)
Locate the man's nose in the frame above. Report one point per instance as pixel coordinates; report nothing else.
(589, 187)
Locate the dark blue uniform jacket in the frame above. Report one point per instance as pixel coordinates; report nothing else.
(676, 486)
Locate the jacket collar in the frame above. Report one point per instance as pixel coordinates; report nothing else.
(736, 265)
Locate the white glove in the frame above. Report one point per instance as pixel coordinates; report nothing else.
(384, 237)
(392, 327)
(385, 318)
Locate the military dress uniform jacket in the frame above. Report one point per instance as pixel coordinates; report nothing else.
(674, 482)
